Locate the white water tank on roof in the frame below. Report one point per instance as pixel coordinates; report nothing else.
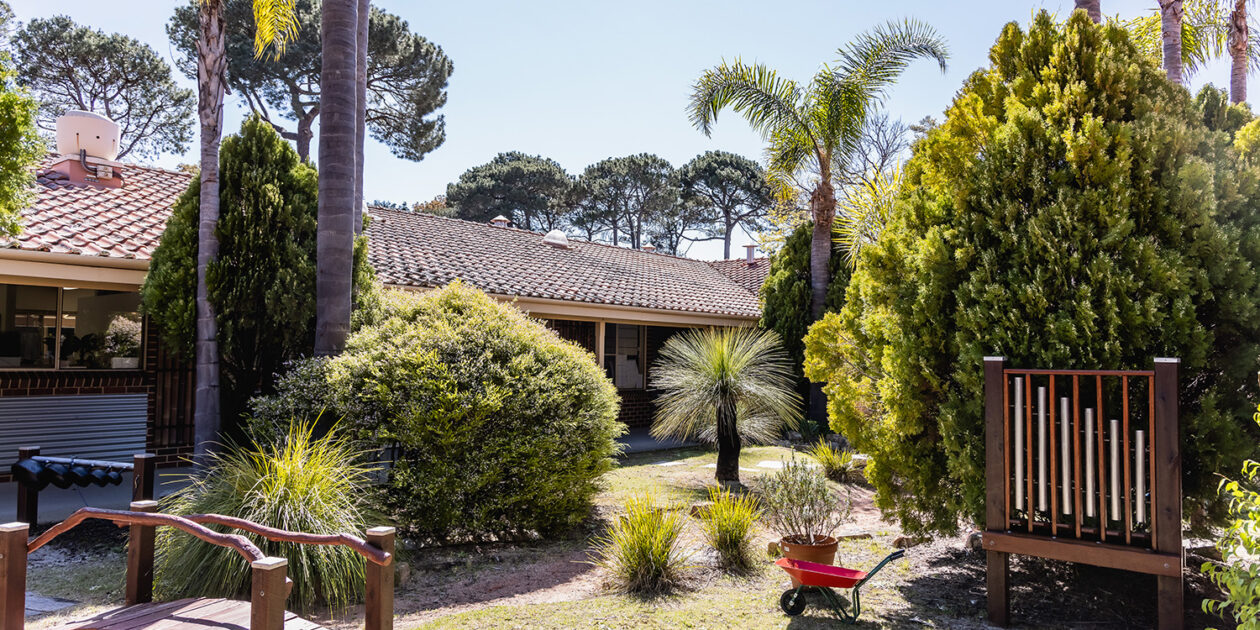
(79, 130)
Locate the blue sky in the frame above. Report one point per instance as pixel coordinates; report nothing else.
(579, 81)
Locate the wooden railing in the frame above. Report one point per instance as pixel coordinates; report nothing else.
(270, 584)
(1083, 456)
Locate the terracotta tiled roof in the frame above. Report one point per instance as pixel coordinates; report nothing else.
(124, 222)
(422, 250)
(751, 277)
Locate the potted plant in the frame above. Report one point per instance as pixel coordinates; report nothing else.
(804, 511)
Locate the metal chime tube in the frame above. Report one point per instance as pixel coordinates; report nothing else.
(1065, 456)
(1139, 478)
(1115, 470)
(1019, 442)
(1089, 463)
(1043, 485)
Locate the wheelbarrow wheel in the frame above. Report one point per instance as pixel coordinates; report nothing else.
(792, 602)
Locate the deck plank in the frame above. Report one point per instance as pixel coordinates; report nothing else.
(206, 613)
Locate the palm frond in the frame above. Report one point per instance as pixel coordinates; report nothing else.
(768, 102)
(787, 152)
(701, 370)
(864, 211)
(1204, 34)
(275, 22)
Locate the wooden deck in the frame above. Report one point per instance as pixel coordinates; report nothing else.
(184, 613)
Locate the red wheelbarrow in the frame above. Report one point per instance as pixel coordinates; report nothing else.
(823, 578)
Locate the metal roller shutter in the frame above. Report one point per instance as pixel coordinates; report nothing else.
(109, 427)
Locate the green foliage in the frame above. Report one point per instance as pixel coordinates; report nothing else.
(623, 198)
(800, 506)
(262, 284)
(728, 526)
(1204, 35)
(501, 427)
(785, 296)
(20, 148)
(703, 371)
(641, 550)
(527, 189)
(837, 464)
(1218, 113)
(730, 191)
(68, 66)
(299, 483)
(1247, 140)
(406, 82)
(1238, 573)
(1071, 211)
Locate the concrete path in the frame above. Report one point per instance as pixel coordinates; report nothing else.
(638, 440)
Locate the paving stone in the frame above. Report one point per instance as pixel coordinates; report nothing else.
(37, 604)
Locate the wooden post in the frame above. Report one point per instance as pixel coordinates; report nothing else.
(1166, 459)
(140, 556)
(13, 575)
(27, 498)
(998, 563)
(379, 592)
(142, 475)
(266, 603)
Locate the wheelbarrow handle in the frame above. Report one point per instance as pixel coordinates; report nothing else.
(896, 555)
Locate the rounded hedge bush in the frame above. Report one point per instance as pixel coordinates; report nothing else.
(497, 426)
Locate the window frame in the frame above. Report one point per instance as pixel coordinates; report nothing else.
(59, 324)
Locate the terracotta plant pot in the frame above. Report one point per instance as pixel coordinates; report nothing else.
(823, 552)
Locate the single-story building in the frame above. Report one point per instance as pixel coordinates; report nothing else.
(82, 373)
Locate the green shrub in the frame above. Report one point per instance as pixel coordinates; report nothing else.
(301, 484)
(728, 526)
(500, 428)
(1238, 574)
(786, 293)
(1071, 212)
(641, 549)
(801, 507)
(837, 464)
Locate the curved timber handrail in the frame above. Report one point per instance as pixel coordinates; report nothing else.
(360, 546)
(240, 544)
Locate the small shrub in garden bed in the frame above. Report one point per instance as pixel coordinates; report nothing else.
(640, 550)
(836, 463)
(500, 427)
(300, 483)
(800, 505)
(728, 527)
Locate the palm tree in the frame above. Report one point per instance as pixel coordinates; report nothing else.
(1091, 7)
(1170, 14)
(811, 128)
(1239, 51)
(360, 114)
(334, 242)
(274, 23)
(724, 385)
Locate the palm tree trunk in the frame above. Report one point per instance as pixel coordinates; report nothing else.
(211, 70)
(1092, 9)
(1170, 12)
(727, 446)
(360, 113)
(823, 207)
(1238, 40)
(334, 241)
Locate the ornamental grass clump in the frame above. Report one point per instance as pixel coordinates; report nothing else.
(837, 463)
(299, 483)
(641, 551)
(728, 527)
(800, 506)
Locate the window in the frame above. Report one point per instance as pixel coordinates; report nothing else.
(28, 320)
(48, 327)
(624, 359)
(100, 329)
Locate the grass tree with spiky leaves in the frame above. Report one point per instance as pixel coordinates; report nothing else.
(725, 385)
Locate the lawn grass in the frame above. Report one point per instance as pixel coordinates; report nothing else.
(687, 477)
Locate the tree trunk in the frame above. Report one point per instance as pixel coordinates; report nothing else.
(823, 207)
(1092, 9)
(334, 242)
(727, 446)
(726, 242)
(1170, 12)
(360, 113)
(211, 70)
(304, 135)
(1239, 33)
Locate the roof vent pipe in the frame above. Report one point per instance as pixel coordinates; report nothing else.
(499, 221)
(752, 253)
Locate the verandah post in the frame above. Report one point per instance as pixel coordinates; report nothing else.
(379, 595)
(1166, 456)
(13, 575)
(997, 562)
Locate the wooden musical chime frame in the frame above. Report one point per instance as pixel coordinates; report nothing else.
(1034, 501)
